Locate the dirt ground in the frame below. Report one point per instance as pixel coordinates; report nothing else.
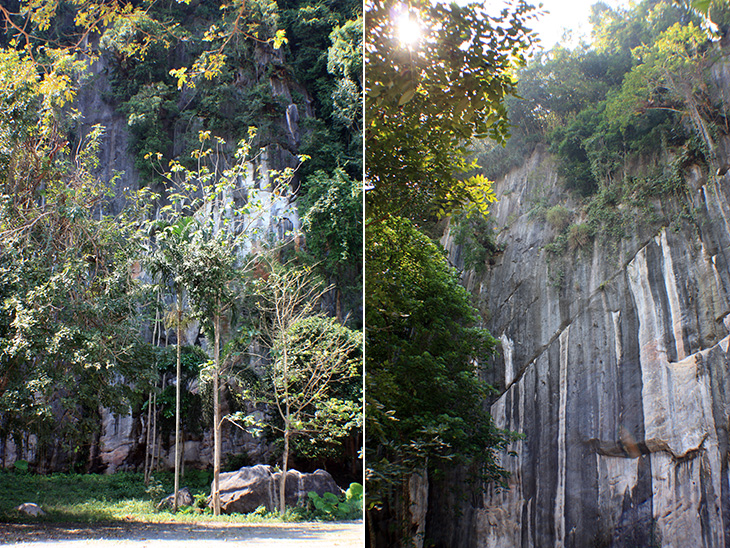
(168, 535)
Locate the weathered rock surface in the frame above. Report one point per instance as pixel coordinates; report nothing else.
(30, 509)
(116, 440)
(244, 491)
(615, 366)
(122, 442)
(116, 163)
(184, 498)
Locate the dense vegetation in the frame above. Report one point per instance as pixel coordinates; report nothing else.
(425, 407)
(626, 115)
(94, 298)
(95, 498)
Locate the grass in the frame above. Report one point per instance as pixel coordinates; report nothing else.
(92, 498)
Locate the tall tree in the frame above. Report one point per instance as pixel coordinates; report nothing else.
(311, 355)
(69, 326)
(425, 400)
(168, 260)
(331, 212)
(228, 223)
(210, 269)
(425, 102)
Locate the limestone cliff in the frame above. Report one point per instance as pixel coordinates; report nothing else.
(120, 443)
(615, 367)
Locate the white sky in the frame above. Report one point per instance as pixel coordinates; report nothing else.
(571, 14)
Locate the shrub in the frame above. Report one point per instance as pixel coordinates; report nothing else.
(558, 217)
(156, 490)
(21, 466)
(579, 236)
(330, 507)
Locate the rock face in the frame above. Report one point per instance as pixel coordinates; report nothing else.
(116, 440)
(115, 161)
(30, 509)
(615, 366)
(244, 491)
(184, 498)
(122, 443)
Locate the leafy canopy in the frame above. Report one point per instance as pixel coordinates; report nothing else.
(425, 402)
(424, 104)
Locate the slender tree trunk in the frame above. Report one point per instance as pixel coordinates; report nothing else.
(284, 466)
(287, 431)
(159, 452)
(216, 418)
(154, 431)
(177, 400)
(147, 448)
(149, 451)
(182, 453)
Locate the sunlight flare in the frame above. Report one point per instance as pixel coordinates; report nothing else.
(409, 28)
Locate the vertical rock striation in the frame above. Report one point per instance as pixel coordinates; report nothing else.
(615, 366)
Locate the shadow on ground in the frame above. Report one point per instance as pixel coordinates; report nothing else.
(230, 532)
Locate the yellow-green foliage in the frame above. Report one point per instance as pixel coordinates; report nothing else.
(579, 236)
(558, 216)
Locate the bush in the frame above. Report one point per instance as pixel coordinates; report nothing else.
(156, 490)
(476, 237)
(333, 508)
(558, 217)
(579, 236)
(21, 466)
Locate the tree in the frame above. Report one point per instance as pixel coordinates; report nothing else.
(209, 270)
(331, 212)
(575, 99)
(425, 405)
(168, 260)
(424, 104)
(344, 61)
(670, 75)
(227, 223)
(310, 356)
(136, 30)
(69, 328)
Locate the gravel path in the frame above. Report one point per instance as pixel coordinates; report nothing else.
(186, 535)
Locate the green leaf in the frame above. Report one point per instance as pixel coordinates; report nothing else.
(406, 97)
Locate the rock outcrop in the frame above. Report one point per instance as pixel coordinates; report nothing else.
(615, 366)
(30, 509)
(250, 487)
(184, 498)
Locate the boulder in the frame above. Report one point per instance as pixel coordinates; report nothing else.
(243, 491)
(319, 481)
(184, 498)
(30, 509)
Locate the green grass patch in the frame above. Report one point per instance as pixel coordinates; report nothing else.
(123, 496)
(91, 498)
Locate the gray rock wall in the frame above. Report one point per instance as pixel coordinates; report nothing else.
(116, 163)
(615, 366)
(123, 438)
